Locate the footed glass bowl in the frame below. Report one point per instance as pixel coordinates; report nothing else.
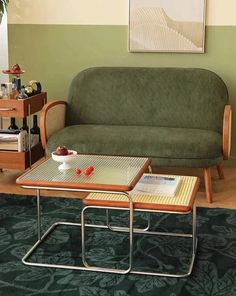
(65, 159)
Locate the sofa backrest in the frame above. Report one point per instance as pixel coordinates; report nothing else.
(170, 97)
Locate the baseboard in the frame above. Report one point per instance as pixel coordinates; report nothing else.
(231, 162)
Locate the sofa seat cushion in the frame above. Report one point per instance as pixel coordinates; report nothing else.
(154, 142)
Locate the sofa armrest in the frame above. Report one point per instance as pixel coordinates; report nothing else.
(227, 132)
(52, 119)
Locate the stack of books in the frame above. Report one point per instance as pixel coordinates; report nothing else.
(151, 184)
(13, 140)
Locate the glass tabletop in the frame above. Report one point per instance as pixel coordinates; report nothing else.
(110, 173)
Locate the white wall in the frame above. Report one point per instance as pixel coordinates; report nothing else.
(4, 60)
(100, 12)
(3, 49)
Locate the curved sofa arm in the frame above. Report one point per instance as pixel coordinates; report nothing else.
(227, 132)
(52, 119)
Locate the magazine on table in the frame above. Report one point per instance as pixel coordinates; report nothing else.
(157, 185)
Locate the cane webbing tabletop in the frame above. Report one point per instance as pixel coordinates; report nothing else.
(182, 201)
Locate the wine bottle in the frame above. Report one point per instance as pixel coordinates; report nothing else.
(35, 132)
(35, 129)
(13, 125)
(17, 82)
(24, 125)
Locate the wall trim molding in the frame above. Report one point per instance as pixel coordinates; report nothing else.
(231, 162)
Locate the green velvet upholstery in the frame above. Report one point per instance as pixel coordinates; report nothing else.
(173, 115)
(166, 143)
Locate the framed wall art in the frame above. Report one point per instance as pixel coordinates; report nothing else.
(167, 25)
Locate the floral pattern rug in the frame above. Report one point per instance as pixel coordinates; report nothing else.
(214, 271)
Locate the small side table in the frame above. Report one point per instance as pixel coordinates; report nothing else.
(20, 109)
(182, 203)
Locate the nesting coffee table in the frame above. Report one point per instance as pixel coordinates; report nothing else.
(109, 188)
(112, 174)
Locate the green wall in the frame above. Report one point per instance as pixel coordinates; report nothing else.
(54, 54)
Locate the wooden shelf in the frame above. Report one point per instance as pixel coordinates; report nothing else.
(20, 160)
(19, 109)
(22, 108)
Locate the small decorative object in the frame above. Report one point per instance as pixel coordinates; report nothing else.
(22, 95)
(33, 88)
(15, 91)
(3, 91)
(15, 70)
(9, 88)
(29, 90)
(61, 150)
(36, 86)
(65, 159)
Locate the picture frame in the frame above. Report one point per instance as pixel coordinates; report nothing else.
(167, 26)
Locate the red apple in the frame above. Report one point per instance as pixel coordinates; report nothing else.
(16, 68)
(61, 150)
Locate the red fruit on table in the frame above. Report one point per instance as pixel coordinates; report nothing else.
(61, 150)
(88, 171)
(78, 171)
(91, 168)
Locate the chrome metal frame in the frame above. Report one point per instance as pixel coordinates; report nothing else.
(192, 236)
(42, 238)
(122, 229)
(131, 230)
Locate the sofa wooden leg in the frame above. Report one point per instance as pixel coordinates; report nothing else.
(208, 184)
(220, 171)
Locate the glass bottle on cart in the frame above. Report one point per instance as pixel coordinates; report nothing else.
(35, 132)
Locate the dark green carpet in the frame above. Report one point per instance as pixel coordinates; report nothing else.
(214, 271)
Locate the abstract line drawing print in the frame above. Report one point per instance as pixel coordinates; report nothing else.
(167, 25)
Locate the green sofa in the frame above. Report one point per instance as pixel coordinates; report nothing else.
(177, 116)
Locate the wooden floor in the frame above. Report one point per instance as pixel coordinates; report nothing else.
(224, 191)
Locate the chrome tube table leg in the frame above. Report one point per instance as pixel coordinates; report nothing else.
(130, 230)
(38, 214)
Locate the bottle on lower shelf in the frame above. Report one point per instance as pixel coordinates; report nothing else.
(35, 132)
(13, 125)
(24, 125)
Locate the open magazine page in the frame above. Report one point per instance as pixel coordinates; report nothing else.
(157, 185)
